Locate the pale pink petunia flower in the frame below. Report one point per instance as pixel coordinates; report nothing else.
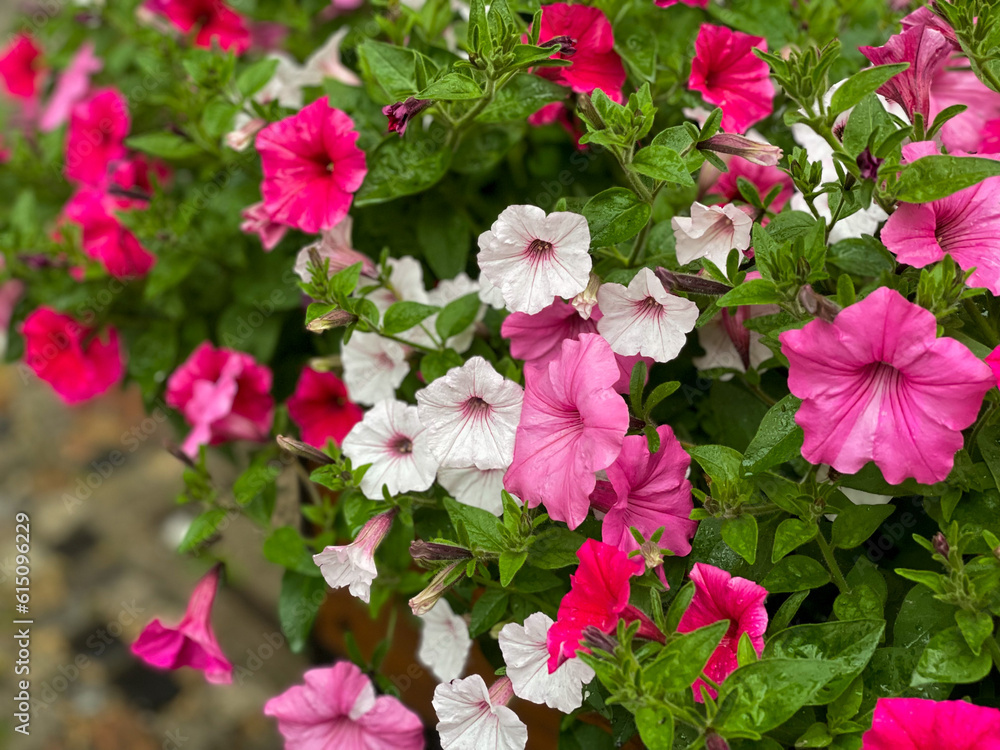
(926, 50)
(335, 246)
(391, 439)
(374, 367)
(878, 385)
(572, 425)
(479, 488)
(257, 220)
(312, 167)
(71, 86)
(720, 596)
(444, 642)
(526, 653)
(212, 22)
(353, 565)
(337, 708)
(644, 318)
(533, 258)
(471, 415)
(97, 129)
(728, 74)
(326, 63)
(191, 643)
(585, 302)
(964, 225)
(470, 717)
(918, 724)
(711, 232)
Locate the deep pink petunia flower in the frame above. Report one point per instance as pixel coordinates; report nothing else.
(598, 597)
(926, 50)
(97, 129)
(720, 596)
(191, 643)
(916, 724)
(963, 225)
(213, 22)
(131, 181)
(595, 63)
(71, 87)
(321, 408)
(572, 425)
(224, 395)
(312, 167)
(78, 364)
(337, 708)
(257, 220)
(20, 68)
(878, 385)
(104, 238)
(728, 74)
(762, 178)
(924, 17)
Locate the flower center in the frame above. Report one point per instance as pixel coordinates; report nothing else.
(402, 445)
(476, 407)
(539, 248)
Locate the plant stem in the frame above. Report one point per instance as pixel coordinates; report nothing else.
(640, 243)
(991, 643)
(977, 317)
(831, 563)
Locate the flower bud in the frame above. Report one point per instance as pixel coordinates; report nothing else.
(303, 450)
(332, 319)
(818, 305)
(435, 552)
(729, 143)
(566, 45)
(501, 691)
(686, 282)
(423, 602)
(941, 545)
(401, 113)
(715, 742)
(868, 164)
(594, 637)
(585, 301)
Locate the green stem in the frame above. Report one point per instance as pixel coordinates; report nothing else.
(977, 318)
(988, 417)
(991, 643)
(759, 393)
(404, 342)
(831, 563)
(640, 243)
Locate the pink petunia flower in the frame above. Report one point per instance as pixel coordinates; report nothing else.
(335, 246)
(711, 232)
(106, 239)
(353, 565)
(598, 597)
(572, 425)
(20, 67)
(595, 64)
(71, 86)
(191, 643)
(257, 220)
(98, 126)
(337, 708)
(878, 385)
(224, 395)
(321, 408)
(213, 22)
(956, 83)
(132, 181)
(470, 717)
(728, 74)
(917, 724)
(963, 225)
(312, 167)
(926, 50)
(78, 364)
(720, 596)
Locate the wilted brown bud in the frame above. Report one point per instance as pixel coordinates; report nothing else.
(566, 45)
(728, 143)
(818, 305)
(303, 450)
(400, 113)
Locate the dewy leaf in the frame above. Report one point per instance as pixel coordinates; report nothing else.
(451, 87)
(510, 563)
(555, 548)
(656, 728)
(662, 163)
(791, 533)
(395, 71)
(402, 316)
(522, 96)
(938, 176)
(778, 439)
(615, 215)
(403, 166)
(487, 611)
(753, 292)
(976, 627)
(720, 462)
(164, 145)
(457, 315)
(796, 573)
(740, 534)
(682, 660)
(856, 523)
(859, 85)
(948, 658)
(484, 529)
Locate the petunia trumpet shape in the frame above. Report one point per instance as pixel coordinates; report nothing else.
(191, 643)
(96, 136)
(470, 717)
(321, 408)
(711, 232)
(104, 238)
(337, 708)
(353, 565)
(572, 425)
(917, 724)
(878, 385)
(212, 21)
(374, 367)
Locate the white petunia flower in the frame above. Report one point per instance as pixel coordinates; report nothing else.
(444, 642)
(526, 653)
(644, 318)
(711, 232)
(721, 351)
(450, 290)
(489, 294)
(353, 564)
(471, 415)
(373, 367)
(479, 488)
(533, 258)
(325, 63)
(470, 717)
(391, 439)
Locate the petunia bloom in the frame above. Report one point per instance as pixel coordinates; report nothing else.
(470, 717)
(374, 367)
(956, 83)
(711, 232)
(917, 724)
(533, 258)
(95, 139)
(480, 488)
(728, 74)
(20, 69)
(213, 22)
(104, 238)
(257, 220)
(335, 247)
(71, 87)
(925, 49)
(878, 385)
(526, 654)
(321, 408)
(444, 642)
(353, 565)
(471, 415)
(728, 343)
(224, 395)
(964, 225)
(721, 596)
(312, 167)
(644, 318)
(337, 708)
(572, 425)
(191, 643)
(70, 357)
(391, 439)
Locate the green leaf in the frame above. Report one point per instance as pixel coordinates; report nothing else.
(817, 735)
(656, 728)
(662, 163)
(659, 393)
(720, 462)
(404, 166)
(778, 439)
(856, 523)
(164, 145)
(452, 87)
(937, 176)
(862, 602)
(948, 658)
(859, 85)
(786, 612)
(487, 611)
(976, 627)
(484, 529)
(202, 528)
(457, 315)
(285, 547)
(989, 446)
(444, 236)
(299, 602)
(393, 73)
(791, 533)
(740, 534)
(510, 563)
(434, 365)
(753, 292)
(555, 548)
(614, 216)
(636, 385)
(796, 573)
(682, 660)
(523, 95)
(256, 77)
(863, 256)
(402, 316)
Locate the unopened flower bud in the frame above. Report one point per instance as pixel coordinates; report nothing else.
(715, 742)
(332, 319)
(818, 305)
(585, 301)
(174, 450)
(303, 450)
(423, 602)
(501, 691)
(594, 637)
(652, 554)
(686, 282)
(435, 552)
(753, 151)
(941, 545)
(868, 164)
(566, 45)
(401, 113)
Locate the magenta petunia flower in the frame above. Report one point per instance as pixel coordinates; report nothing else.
(97, 129)
(728, 74)
(963, 225)
(926, 50)
(720, 596)
(106, 239)
(877, 385)
(598, 597)
(224, 395)
(191, 643)
(337, 708)
(572, 425)
(916, 724)
(213, 22)
(20, 68)
(71, 87)
(321, 408)
(70, 357)
(956, 83)
(312, 167)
